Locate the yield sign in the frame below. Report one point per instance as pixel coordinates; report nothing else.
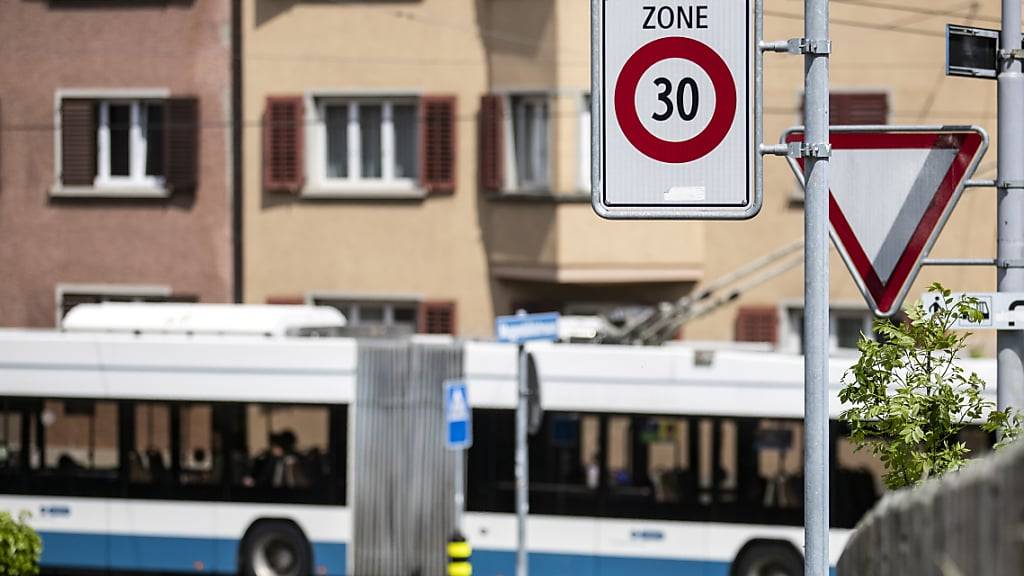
(892, 188)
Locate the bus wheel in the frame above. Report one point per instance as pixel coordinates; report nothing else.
(769, 560)
(275, 549)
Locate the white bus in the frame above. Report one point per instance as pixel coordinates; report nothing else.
(225, 454)
(658, 461)
(201, 454)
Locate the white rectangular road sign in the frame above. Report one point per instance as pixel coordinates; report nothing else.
(999, 310)
(673, 121)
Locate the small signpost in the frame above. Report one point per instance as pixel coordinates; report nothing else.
(458, 418)
(999, 310)
(892, 188)
(674, 119)
(519, 329)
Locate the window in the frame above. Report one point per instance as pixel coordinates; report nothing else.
(283, 453)
(392, 316)
(697, 468)
(756, 324)
(371, 142)
(845, 328)
(76, 447)
(127, 145)
(12, 448)
(584, 143)
(530, 139)
(71, 295)
(172, 447)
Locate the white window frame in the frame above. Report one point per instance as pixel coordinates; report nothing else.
(354, 184)
(146, 187)
(586, 104)
(790, 331)
(138, 147)
(354, 302)
(541, 141)
(140, 291)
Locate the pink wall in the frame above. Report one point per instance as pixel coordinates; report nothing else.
(184, 241)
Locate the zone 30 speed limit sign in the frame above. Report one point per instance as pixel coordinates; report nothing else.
(673, 132)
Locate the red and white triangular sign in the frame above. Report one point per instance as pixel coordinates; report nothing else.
(891, 191)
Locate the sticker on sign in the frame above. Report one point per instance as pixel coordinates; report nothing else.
(673, 119)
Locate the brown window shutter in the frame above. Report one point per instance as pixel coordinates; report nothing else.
(282, 144)
(491, 139)
(858, 108)
(757, 324)
(181, 143)
(437, 144)
(77, 142)
(437, 317)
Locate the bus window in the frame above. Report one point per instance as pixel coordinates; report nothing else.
(564, 464)
(856, 482)
(200, 454)
(77, 447)
(12, 454)
(490, 486)
(285, 456)
(149, 460)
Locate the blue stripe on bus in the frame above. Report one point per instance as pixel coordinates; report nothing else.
(503, 563)
(170, 554)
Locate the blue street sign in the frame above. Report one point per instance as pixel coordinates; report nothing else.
(458, 415)
(524, 327)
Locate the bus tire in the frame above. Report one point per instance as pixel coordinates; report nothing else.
(769, 559)
(275, 548)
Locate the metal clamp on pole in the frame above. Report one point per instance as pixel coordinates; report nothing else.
(805, 150)
(459, 553)
(1006, 263)
(797, 46)
(1010, 184)
(1011, 54)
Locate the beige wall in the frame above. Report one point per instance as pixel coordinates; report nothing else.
(478, 250)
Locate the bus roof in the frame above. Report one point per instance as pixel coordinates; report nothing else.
(188, 318)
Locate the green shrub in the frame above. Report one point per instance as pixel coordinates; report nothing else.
(20, 546)
(909, 398)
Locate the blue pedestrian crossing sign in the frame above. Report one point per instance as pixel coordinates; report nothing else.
(458, 415)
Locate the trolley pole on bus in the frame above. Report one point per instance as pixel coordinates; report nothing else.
(816, 151)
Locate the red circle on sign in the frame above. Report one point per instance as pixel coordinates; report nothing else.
(670, 151)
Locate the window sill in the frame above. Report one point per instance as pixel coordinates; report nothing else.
(398, 193)
(61, 191)
(542, 196)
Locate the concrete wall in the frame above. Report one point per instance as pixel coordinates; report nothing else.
(964, 524)
(182, 243)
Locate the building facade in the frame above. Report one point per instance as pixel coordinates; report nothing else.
(115, 154)
(425, 165)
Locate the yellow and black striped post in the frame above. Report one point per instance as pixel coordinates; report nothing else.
(458, 556)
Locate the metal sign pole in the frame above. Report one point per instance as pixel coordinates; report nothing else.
(1010, 182)
(460, 490)
(522, 464)
(816, 151)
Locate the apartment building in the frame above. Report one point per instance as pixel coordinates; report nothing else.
(115, 154)
(425, 166)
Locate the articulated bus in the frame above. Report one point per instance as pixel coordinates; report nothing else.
(230, 454)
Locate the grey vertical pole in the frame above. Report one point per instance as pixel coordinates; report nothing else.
(522, 464)
(460, 490)
(816, 321)
(1010, 181)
